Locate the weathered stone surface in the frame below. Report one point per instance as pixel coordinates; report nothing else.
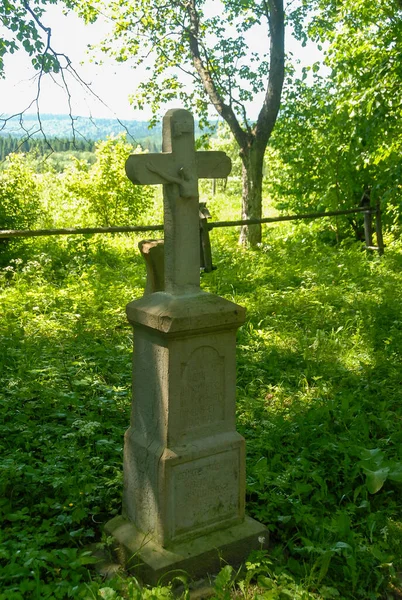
(184, 462)
(182, 449)
(209, 165)
(178, 168)
(196, 312)
(154, 256)
(184, 491)
(199, 557)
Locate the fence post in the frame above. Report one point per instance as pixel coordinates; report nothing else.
(368, 219)
(205, 242)
(378, 228)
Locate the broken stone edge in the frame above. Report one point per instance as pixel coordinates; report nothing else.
(178, 314)
(207, 554)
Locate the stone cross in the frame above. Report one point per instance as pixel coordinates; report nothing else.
(184, 462)
(178, 168)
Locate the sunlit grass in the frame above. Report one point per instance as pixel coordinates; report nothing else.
(318, 383)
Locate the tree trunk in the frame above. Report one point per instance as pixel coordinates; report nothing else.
(252, 140)
(253, 161)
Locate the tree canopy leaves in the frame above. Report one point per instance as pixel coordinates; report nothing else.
(23, 28)
(342, 135)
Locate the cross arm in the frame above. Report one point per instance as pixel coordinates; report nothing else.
(148, 169)
(145, 168)
(213, 165)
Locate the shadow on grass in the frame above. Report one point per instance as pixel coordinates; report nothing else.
(318, 380)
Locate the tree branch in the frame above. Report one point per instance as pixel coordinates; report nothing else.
(62, 65)
(207, 81)
(270, 108)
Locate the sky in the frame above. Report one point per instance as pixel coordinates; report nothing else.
(112, 82)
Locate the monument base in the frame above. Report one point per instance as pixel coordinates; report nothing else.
(198, 557)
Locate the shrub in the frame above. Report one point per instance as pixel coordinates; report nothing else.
(111, 197)
(19, 194)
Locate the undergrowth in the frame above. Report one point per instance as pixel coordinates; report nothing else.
(319, 403)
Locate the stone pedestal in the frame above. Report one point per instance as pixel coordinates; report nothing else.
(184, 471)
(184, 462)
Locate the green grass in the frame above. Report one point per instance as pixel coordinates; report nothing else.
(319, 402)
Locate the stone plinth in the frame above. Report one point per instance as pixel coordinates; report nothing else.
(184, 462)
(199, 557)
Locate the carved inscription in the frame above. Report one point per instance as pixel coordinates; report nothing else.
(206, 492)
(202, 389)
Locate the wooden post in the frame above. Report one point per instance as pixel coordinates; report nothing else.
(368, 219)
(205, 242)
(378, 228)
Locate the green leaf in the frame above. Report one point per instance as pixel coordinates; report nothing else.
(17, 517)
(376, 479)
(341, 546)
(324, 564)
(395, 472)
(376, 455)
(224, 577)
(107, 593)
(265, 582)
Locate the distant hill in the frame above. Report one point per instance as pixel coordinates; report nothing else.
(60, 126)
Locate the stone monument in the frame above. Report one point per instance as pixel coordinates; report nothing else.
(184, 462)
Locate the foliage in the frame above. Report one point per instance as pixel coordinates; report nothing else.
(346, 130)
(165, 31)
(57, 162)
(203, 56)
(104, 186)
(318, 399)
(20, 30)
(365, 56)
(223, 141)
(342, 136)
(319, 402)
(42, 147)
(314, 162)
(19, 194)
(60, 481)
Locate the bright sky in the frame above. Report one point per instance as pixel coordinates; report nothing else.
(112, 82)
